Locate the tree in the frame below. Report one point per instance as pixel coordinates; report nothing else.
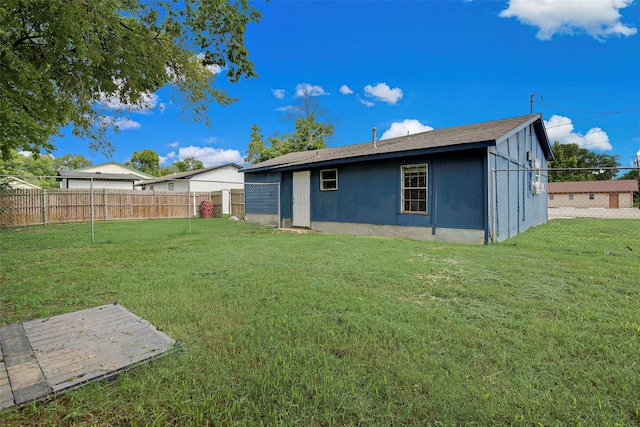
(31, 166)
(571, 156)
(146, 161)
(187, 164)
(71, 161)
(256, 152)
(633, 174)
(312, 130)
(61, 61)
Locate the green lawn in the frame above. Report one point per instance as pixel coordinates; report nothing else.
(309, 329)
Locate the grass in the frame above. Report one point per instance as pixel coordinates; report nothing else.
(315, 330)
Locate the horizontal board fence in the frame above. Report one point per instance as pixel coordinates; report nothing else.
(19, 207)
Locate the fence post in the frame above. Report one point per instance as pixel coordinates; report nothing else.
(45, 206)
(189, 205)
(92, 219)
(104, 202)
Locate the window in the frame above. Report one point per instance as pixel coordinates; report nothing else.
(414, 189)
(170, 185)
(570, 196)
(329, 179)
(551, 196)
(592, 197)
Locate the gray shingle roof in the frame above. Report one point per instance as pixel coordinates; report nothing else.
(98, 176)
(486, 132)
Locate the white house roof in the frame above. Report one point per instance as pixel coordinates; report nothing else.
(487, 133)
(114, 167)
(20, 184)
(185, 175)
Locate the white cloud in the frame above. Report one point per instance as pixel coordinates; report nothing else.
(365, 102)
(285, 108)
(121, 123)
(174, 144)
(345, 90)
(210, 140)
(211, 156)
(278, 93)
(560, 128)
(124, 123)
(410, 126)
(598, 18)
(146, 103)
(310, 90)
(212, 68)
(382, 92)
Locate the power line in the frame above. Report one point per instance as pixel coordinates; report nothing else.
(591, 112)
(600, 114)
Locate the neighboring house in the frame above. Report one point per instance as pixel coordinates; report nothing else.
(435, 185)
(15, 183)
(111, 175)
(592, 194)
(222, 178)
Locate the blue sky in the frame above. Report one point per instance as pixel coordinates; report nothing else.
(411, 66)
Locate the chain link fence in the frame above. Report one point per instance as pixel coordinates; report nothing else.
(519, 199)
(26, 201)
(262, 203)
(524, 198)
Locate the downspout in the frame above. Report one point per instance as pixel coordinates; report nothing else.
(434, 196)
(487, 195)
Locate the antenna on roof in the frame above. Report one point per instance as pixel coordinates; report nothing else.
(533, 95)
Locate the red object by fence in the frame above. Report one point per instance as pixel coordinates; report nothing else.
(206, 209)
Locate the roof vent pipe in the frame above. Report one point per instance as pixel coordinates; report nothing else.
(374, 137)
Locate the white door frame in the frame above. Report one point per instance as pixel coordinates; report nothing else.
(302, 199)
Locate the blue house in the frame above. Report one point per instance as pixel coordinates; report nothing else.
(475, 184)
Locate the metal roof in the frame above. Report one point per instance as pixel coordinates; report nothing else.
(618, 186)
(64, 174)
(486, 133)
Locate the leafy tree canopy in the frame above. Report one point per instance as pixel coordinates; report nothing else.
(146, 161)
(71, 161)
(311, 133)
(31, 166)
(61, 61)
(187, 164)
(573, 156)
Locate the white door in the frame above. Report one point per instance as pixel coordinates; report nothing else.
(302, 199)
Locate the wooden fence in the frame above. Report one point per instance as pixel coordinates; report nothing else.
(50, 206)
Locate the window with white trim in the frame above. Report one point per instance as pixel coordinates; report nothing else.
(170, 186)
(329, 180)
(414, 188)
